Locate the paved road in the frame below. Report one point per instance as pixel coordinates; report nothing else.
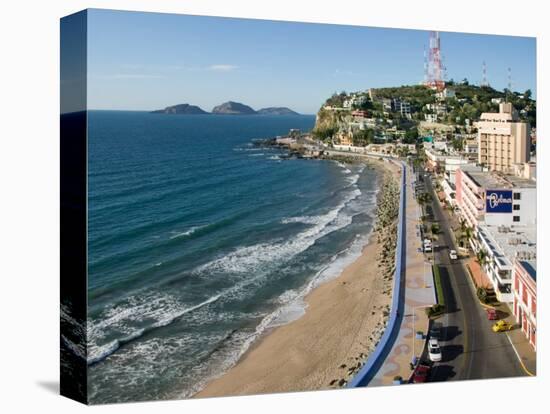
(471, 350)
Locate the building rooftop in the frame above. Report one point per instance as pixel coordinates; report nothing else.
(531, 267)
(509, 242)
(491, 179)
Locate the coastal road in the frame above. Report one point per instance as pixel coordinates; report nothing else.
(470, 349)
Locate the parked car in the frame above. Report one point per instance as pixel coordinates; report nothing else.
(434, 350)
(502, 326)
(453, 255)
(492, 314)
(427, 245)
(421, 373)
(435, 332)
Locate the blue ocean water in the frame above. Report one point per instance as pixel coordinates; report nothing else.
(199, 241)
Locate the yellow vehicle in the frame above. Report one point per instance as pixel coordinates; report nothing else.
(502, 326)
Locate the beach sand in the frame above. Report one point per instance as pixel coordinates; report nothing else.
(323, 349)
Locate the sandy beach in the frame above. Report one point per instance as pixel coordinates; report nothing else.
(343, 322)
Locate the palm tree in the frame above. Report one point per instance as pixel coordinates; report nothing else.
(468, 232)
(463, 225)
(481, 257)
(465, 233)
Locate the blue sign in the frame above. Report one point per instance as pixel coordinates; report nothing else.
(498, 201)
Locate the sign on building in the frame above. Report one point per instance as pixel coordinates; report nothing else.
(498, 201)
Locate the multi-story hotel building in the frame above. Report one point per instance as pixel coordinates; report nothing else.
(524, 282)
(502, 211)
(502, 139)
(494, 199)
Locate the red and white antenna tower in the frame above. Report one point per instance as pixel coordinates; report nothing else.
(435, 67)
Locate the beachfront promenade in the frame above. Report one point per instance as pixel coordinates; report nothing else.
(419, 293)
(416, 292)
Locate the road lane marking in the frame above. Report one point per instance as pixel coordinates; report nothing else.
(519, 357)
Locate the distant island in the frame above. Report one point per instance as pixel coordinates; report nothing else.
(226, 108)
(277, 110)
(233, 108)
(181, 109)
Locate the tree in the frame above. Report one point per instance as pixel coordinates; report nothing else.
(465, 234)
(411, 136)
(527, 94)
(363, 137)
(365, 105)
(424, 198)
(325, 133)
(481, 257)
(458, 144)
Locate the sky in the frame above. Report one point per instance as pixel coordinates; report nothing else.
(146, 61)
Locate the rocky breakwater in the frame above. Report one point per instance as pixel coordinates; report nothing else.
(385, 235)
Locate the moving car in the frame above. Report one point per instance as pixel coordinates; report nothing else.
(453, 255)
(421, 374)
(434, 350)
(502, 326)
(492, 314)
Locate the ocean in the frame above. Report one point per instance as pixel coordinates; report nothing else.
(198, 242)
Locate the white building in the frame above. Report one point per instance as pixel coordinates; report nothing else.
(453, 163)
(471, 148)
(354, 100)
(527, 170)
(430, 118)
(504, 244)
(446, 93)
(493, 199)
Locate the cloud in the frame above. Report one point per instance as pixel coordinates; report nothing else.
(222, 68)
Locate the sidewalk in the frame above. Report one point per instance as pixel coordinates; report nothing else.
(480, 278)
(526, 354)
(419, 294)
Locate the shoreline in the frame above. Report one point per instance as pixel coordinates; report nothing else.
(343, 322)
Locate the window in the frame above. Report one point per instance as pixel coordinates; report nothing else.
(517, 196)
(516, 207)
(516, 218)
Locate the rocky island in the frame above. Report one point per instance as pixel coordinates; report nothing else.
(185, 109)
(233, 108)
(277, 110)
(227, 108)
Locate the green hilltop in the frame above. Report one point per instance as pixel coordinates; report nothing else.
(383, 116)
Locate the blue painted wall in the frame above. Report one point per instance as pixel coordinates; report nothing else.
(377, 358)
